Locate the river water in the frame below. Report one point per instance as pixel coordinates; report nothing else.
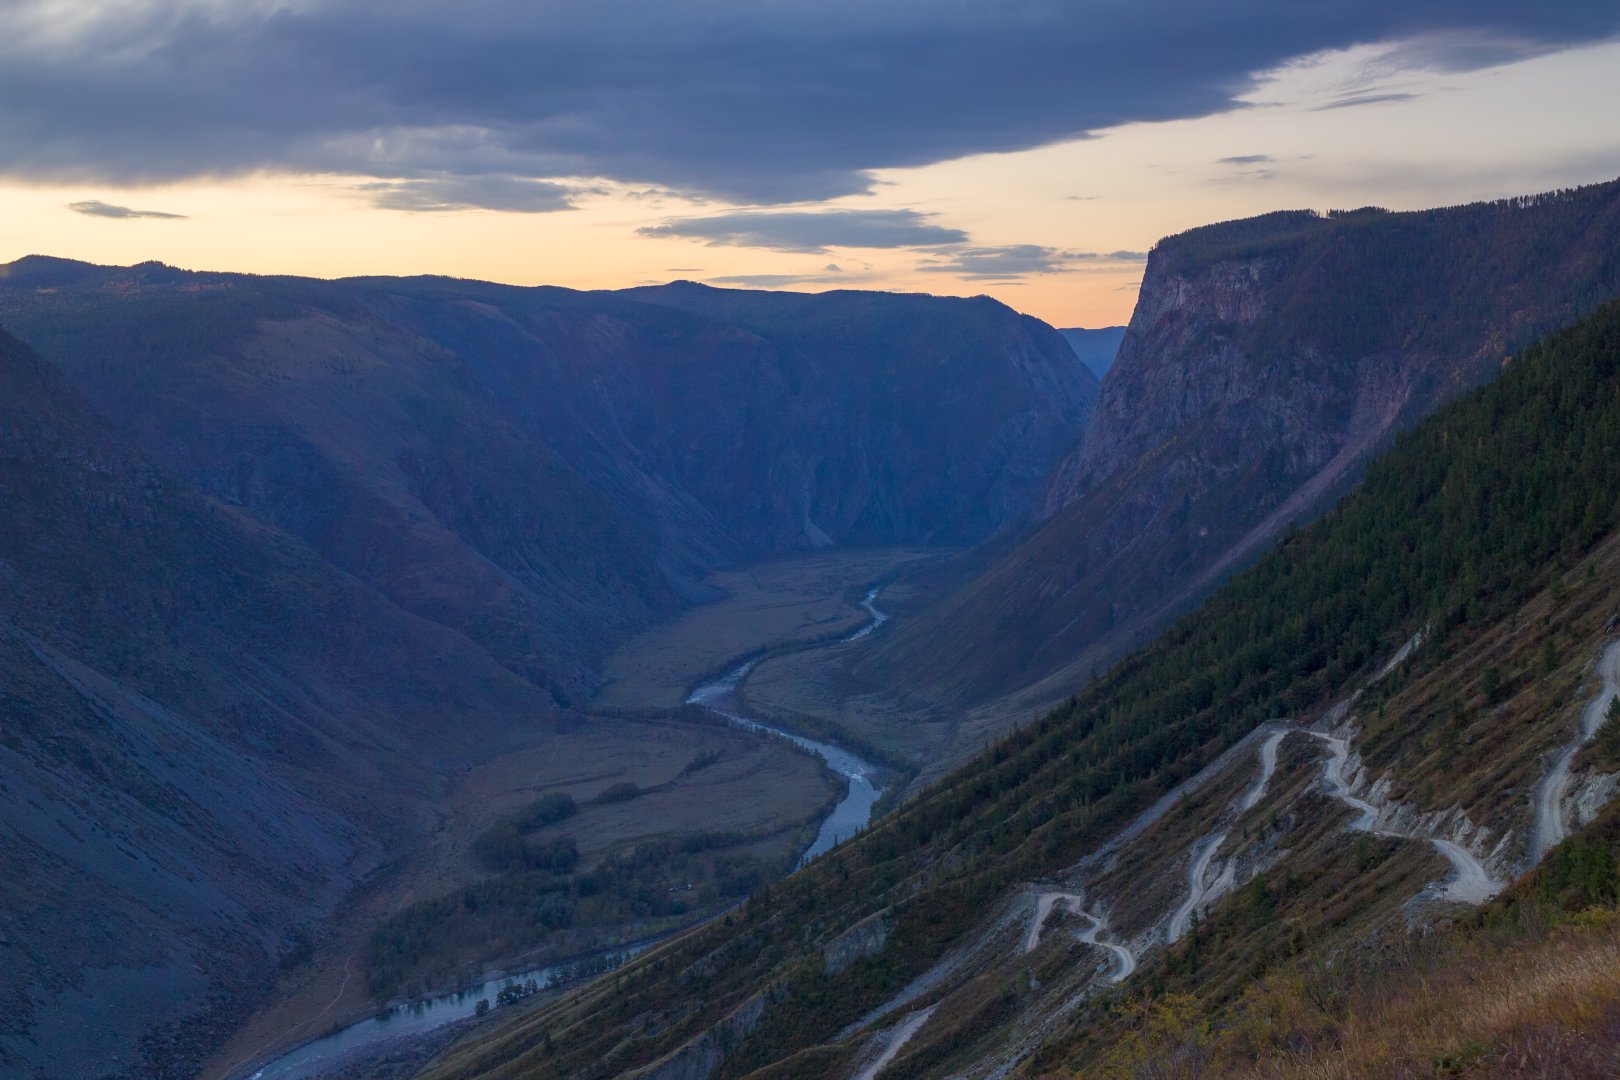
(854, 810)
(849, 817)
(877, 620)
(332, 1052)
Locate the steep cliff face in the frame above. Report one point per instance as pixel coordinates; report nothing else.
(899, 418)
(1265, 361)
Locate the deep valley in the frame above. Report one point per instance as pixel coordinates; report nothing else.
(819, 685)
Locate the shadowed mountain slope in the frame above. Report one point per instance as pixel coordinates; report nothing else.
(207, 736)
(923, 376)
(548, 471)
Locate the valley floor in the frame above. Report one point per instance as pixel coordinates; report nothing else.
(776, 605)
(755, 786)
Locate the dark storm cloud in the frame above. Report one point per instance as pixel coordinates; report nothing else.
(757, 103)
(812, 231)
(97, 208)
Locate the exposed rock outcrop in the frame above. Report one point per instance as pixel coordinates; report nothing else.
(863, 939)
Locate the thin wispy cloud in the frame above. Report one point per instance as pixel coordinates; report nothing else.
(813, 232)
(97, 208)
(1366, 99)
(771, 281)
(1004, 265)
(439, 195)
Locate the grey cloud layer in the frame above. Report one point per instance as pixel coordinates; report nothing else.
(755, 103)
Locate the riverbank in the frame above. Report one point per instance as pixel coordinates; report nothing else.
(405, 1028)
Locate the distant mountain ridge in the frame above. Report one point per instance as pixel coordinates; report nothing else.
(1266, 361)
(549, 471)
(1095, 348)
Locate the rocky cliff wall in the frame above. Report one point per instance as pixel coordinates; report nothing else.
(1266, 360)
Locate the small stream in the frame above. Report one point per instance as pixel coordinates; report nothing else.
(877, 620)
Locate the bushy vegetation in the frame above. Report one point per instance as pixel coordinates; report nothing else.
(1606, 747)
(505, 847)
(546, 810)
(654, 884)
(702, 760)
(504, 850)
(623, 791)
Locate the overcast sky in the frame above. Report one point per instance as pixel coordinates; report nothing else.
(1029, 149)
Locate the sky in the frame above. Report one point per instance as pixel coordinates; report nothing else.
(1031, 150)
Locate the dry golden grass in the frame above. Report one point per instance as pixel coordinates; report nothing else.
(1542, 1005)
(1550, 1008)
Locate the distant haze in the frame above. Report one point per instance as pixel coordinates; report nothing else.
(1095, 348)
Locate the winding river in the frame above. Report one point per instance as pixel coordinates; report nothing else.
(848, 817)
(854, 810)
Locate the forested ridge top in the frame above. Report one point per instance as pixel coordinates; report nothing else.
(1243, 238)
